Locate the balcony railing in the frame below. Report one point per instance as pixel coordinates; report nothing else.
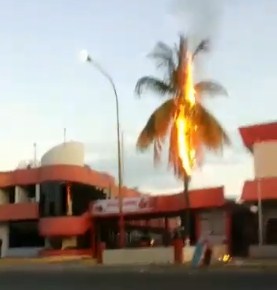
(18, 211)
(64, 225)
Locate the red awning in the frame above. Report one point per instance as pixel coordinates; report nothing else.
(258, 133)
(268, 187)
(165, 204)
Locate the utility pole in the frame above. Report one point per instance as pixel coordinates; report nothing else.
(257, 159)
(260, 211)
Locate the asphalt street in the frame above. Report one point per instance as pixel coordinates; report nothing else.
(140, 278)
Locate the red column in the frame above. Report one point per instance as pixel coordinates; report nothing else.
(166, 224)
(178, 251)
(121, 237)
(147, 223)
(167, 232)
(100, 252)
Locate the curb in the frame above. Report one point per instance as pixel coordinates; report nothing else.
(35, 261)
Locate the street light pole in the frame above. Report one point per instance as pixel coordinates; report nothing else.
(85, 57)
(257, 158)
(260, 212)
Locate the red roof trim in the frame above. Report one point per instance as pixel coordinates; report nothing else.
(70, 173)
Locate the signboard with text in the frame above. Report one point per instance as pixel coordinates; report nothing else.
(129, 205)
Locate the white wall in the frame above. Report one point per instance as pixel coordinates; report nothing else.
(21, 195)
(265, 159)
(4, 236)
(69, 153)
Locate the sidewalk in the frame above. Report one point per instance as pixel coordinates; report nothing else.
(87, 263)
(252, 263)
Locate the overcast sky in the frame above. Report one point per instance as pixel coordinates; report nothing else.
(44, 87)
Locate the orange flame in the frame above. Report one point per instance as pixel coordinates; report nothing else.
(185, 128)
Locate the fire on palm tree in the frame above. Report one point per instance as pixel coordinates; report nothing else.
(192, 128)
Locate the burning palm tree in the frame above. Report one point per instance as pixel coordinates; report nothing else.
(182, 117)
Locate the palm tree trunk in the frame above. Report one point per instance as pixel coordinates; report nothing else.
(186, 216)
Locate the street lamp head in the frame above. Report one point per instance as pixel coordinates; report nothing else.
(254, 209)
(84, 56)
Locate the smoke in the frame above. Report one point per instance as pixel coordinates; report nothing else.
(198, 19)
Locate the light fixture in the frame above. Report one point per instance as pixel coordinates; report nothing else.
(84, 55)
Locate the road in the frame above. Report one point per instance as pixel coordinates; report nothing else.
(82, 278)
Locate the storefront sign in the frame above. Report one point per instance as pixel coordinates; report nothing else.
(130, 204)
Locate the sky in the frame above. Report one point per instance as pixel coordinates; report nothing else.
(44, 87)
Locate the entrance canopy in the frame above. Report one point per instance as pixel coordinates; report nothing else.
(266, 186)
(161, 205)
(258, 133)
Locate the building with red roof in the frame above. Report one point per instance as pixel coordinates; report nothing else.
(63, 207)
(53, 206)
(261, 140)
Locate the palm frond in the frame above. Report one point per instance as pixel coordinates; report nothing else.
(163, 54)
(165, 58)
(212, 135)
(211, 88)
(157, 128)
(203, 46)
(154, 84)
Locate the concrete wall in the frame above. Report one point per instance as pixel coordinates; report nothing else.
(213, 221)
(265, 159)
(159, 255)
(263, 252)
(156, 255)
(31, 252)
(218, 251)
(70, 153)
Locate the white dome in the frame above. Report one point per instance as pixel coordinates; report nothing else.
(69, 153)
